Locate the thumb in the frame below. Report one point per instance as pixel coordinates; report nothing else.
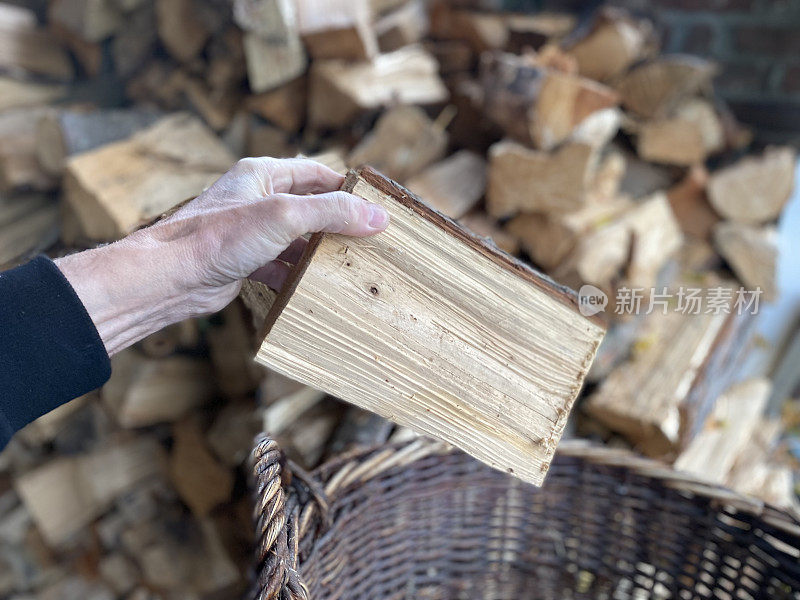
(333, 212)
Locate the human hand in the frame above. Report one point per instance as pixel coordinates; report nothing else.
(248, 223)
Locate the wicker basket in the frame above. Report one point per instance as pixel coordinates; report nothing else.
(421, 521)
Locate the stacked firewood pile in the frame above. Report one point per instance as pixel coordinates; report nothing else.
(579, 148)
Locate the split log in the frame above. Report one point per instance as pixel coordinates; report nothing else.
(752, 253)
(340, 90)
(754, 189)
(19, 94)
(60, 135)
(482, 31)
(202, 482)
(642, 178)
(88, 54)
(403, 142)
(337, 29)
(333, 159)
(66, 494)
(283, 106)
(90, 20)
(266, 140)
(271, 64)
(273, 20)
(527, 180)
(690, 204)
(613, 43)
(181, 31)
(19, 167)
(402, 27)
(656, 87)
(736, 415)
(144, 391)
(118, 187)
(532, 31)
(481, 225)
(370, 283)
(283, 412)
(704, 116)
(233, 431)
(673, 141)
(231, 349)
(217, 107)
(452, 186)
(24, 47)
(29, 224)
(358, 429)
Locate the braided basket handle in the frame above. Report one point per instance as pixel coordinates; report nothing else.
(275, 516)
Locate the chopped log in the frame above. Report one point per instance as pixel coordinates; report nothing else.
(271, 64)
(233, 431)
(231, 349)
(403, 142)
(19, 167)
(452, 186)
(18, 94)
(340, 90)
(258, 298)
(598, 128)
(26, 47)
(283, 412)
(273, 20)
(460, 381)
(29, 224)
(690, 204)
(754, 189)
(402, 27)
(358, 429)
(217, 107)
(703, 115)
(202, 482)
(613, 43)
(306, 440)
(532, 31)
(91, 20)
(89, 54)
(674, 141)
(656, 87)
(337, 29)
(144, 391)
(643, 397)
(181, 31)
(482, 31)
(481, 225)
(284, 106)
(116, 188)
(266, 140)
(333, 159)
(736, 415)
(275, 386)
(527, 180)
(66, 494)
(60, 135)
(642, 178)
(752, 253)
(608, 178)
(655, 237)
(44, 429)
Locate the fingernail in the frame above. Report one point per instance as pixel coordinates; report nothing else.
(378, 217)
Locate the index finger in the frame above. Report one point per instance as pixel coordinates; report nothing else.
(303, 176)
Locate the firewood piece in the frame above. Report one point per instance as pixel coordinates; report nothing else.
(642, 178)
(273, 20)
(258, 298)
(754, 189)
(266, 140)
(280, 415)
(481, 225)
(728, 430)
(482, 31)
(613, 43)
(359, 429)
(60, 135)
(217, 107)
(283, 106)
(403, 142)
(643, 397)
(29, 224)
(89, 54)
(116, 188)
(340, 90)
(26, 47)
(19, 94)
(271, 64)
(66, 494)
(19, 167)
(452, 186)
(527, 180)
(402, 27)
(119, 572)
(233, 431)
(673, 141)
(181, 31)
(690, 204)
(452, 388)
(144, 391)
(202, 482)
(91, 20)
(337, 29)
(752, 253)
(532, 31)
(703, 115)
(654, 88)
(231, 348)
(332, 159)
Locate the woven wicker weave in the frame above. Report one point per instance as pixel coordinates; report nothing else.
(421, 521)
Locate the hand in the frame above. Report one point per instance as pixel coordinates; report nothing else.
(249, 223)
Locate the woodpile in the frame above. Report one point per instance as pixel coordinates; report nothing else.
(583, 151)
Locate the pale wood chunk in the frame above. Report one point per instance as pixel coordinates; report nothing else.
(521, 179)
(283, 106)
(754, 189)
(690, 204)
(481, 30)
(18, 94)
(673, 141)
(25, 47)
(337, 29)
(340, 90)
(417, 306)
(752, 253)
(66, 494)
(29, 223)
(231, 347)
(403, 142)
(732, 423)
(118, 187)
(233, 431)
(91, 20)
(452, 186)
(483, 226)
(19, 167)
(202, 482)
(180, 29)
(273, 20)
(271, 64)
(402, 27)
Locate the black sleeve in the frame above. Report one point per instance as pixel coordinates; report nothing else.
(50, 351)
